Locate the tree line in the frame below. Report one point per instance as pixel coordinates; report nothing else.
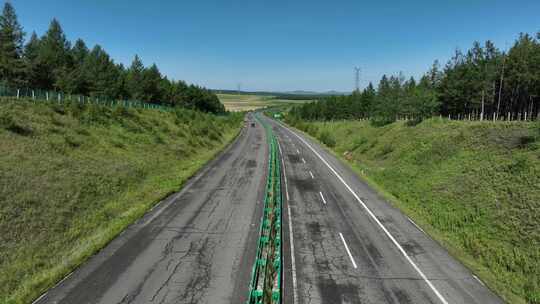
(52, 62)
(481, 83)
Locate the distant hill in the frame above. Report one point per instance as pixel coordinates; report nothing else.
(293, 95)
(327, 93)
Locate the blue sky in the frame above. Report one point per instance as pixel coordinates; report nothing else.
(284, 45)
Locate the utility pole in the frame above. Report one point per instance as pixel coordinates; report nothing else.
(357, 78)
(239, 87)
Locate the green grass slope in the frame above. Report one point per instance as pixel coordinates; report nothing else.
(474, 186)
(73, 177)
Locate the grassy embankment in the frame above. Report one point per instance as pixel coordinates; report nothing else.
(244, 102)
(73, 177)
(475, 187)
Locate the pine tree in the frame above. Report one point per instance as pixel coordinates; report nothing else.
(79, 52)
(102, 74)
(72, 78)
(151, 84)
(434, 75)
(49, 63)
(32, 69)
(134, 79)
(11, 47)
(54, 56)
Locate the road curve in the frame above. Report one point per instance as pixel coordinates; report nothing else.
(197, 246)
(351, 246)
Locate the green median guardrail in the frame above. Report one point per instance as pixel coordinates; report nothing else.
(265, 285)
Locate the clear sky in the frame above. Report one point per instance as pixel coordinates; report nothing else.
(284, 45)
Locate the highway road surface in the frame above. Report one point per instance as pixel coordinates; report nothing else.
(197, 246)
(350, 246)
(342, 243)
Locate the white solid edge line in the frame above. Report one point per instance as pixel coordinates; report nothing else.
(418, 227)
(480, 281)
(293, 262)
(348, 251)
(372, 215)
(310, 173)
(41, 297)
(56, 285)
(322, 197)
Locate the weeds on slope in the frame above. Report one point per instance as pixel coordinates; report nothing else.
(475, 186)
(73, 176)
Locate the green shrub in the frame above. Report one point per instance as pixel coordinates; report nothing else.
(312, 130)
(327, 138)
(15, 124)
(381, 121)
(73, 141)
(122, 112)
(358, 142)
(386, 149)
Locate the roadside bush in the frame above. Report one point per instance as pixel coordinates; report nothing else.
(385, 150)
(93, 114)
(120, 112)
(381, 121)
(312, 130)
(358, 142)
(12, 124)
(413, 122)
(327, 138)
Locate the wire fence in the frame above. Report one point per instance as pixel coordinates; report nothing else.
(37, 95)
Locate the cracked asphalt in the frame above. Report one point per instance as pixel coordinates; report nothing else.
(197, 246)
(366, 266)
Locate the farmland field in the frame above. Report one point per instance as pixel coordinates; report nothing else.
(244, 102)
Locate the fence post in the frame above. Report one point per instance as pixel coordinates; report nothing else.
(47, 95)
(18, 93)
(33, 95)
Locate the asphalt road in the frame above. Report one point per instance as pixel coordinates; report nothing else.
(197, 246)
(350, 246)
(342, 243)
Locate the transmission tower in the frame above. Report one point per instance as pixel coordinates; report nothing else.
(357, 78)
